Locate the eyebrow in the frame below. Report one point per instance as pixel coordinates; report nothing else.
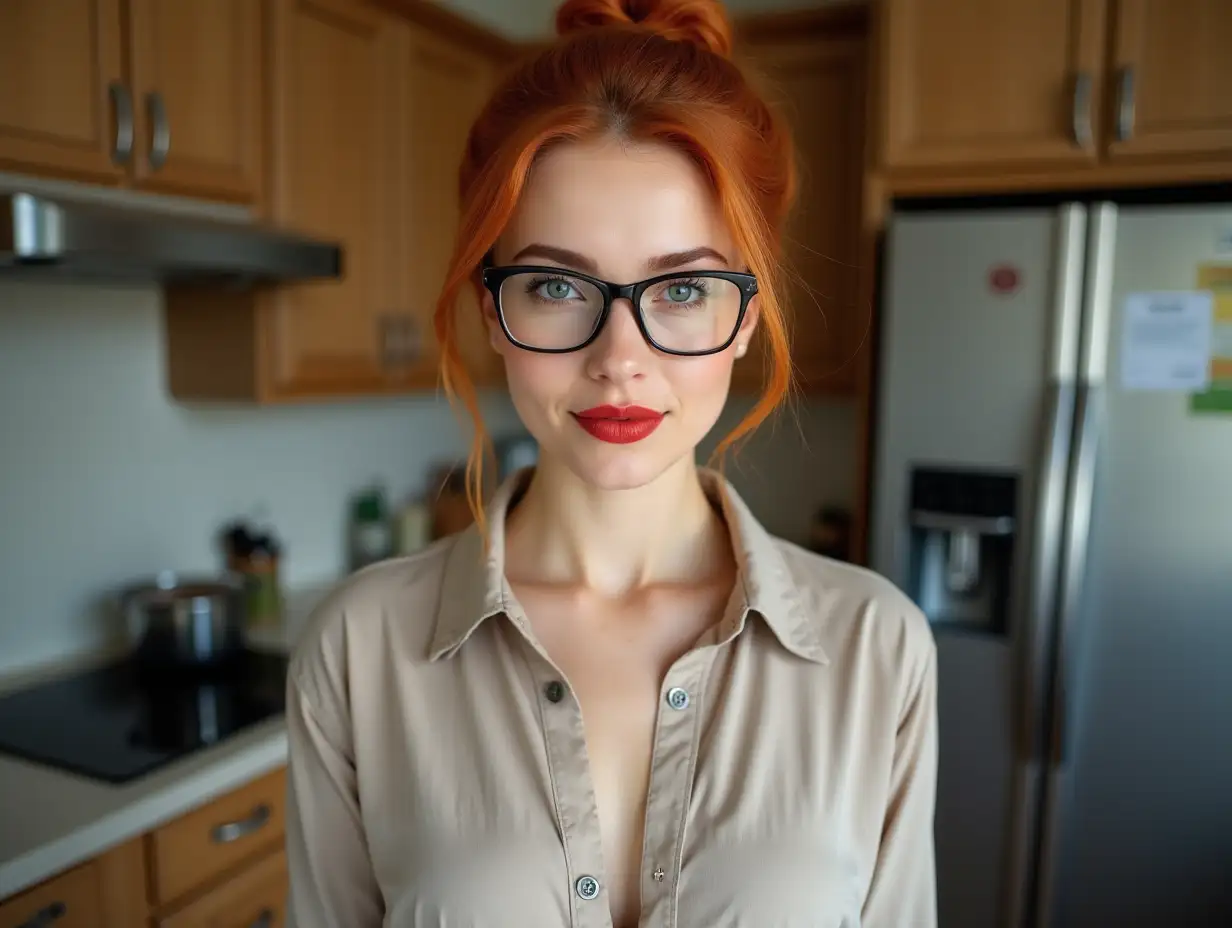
(580, 262)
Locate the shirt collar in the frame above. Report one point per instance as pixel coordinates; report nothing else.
(474, 587)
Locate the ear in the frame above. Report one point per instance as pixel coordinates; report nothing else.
(748, 325)
(496, 335)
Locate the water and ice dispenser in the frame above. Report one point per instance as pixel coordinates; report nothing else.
(963, 528)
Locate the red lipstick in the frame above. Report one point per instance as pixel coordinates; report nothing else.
(619, 425)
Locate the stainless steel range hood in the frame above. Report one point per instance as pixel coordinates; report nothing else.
(61, 237)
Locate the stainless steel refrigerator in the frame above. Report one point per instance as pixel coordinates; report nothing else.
(1070, 538)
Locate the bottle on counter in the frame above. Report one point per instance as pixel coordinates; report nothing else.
(413, 527)
(255, 555)
(371, 535)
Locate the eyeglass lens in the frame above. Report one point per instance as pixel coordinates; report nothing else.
(556, 311)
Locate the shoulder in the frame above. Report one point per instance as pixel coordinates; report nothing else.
(864, 621)
(389, 605)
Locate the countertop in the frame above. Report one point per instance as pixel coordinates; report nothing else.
(51, 820)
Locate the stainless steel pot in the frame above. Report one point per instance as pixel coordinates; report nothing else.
(181, 622)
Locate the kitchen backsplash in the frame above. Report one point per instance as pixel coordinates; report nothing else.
(104, 480)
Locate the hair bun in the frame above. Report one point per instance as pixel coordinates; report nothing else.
(701, 22)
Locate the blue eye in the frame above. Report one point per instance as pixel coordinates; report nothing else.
(681, 294)
(553, 289)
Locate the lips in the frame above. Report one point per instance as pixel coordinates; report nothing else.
(619, 425)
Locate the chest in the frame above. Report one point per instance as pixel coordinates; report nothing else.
(751, 802)
(615, 658)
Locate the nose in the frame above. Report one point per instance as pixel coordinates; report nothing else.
(620, 352)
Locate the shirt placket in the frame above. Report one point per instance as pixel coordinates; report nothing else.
(577, 811)
(671, 785)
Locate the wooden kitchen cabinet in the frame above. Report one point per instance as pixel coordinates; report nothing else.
(340, 86)
(207, 842)
(996, 95)
(60, 63)
(70, 900)
(370, 115)
(197, 78)
(106, 892)
(221, 865)
(816, 73)
(449, 84)
(991, 82)
(1172, 80)
(255, 898)
(160, 95)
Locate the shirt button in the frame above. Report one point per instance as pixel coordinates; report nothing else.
(587, 887)
(677, 698)
(554, 691)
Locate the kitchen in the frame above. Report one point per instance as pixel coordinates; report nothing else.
(139, 423)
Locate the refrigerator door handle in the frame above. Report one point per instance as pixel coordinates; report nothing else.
(1067, 297)
(1090, 416)
(1041, 613)
(1098, 299)
(1045, 568)
(1053, 476)
(1048, 530)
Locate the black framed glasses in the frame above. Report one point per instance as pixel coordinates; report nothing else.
(556, 310)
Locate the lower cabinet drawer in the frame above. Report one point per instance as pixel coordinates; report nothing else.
(189, 852)
(255, 898)
(71, 900)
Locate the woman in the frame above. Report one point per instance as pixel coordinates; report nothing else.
(616, 700)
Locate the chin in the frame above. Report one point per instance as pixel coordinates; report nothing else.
(617, 467)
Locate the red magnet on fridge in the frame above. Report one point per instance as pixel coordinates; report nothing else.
(1003, 279)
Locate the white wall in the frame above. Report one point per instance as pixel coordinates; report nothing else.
(103, 479)
(533, 19)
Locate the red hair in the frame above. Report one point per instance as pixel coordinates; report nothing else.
(646, 70)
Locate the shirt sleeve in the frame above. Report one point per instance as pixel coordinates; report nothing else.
(331, 877)
(904, 887)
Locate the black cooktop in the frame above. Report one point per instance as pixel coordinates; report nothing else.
(122, 721)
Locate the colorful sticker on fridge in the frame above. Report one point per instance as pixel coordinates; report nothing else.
(1217, 396)
(1166, 341)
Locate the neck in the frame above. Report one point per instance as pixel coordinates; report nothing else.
(615, 542)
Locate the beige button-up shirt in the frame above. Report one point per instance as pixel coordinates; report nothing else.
(438, 769)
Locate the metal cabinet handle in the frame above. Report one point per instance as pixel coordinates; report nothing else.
(233, 831)
(46, 916)
(401, 343)
(160, 137)
(1126, 104)
(264, 920)
(1084, 136)
(389, 342)
(122, 103)
(412, 341)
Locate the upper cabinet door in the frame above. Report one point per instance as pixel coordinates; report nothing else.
(991, 82)
(64, 107)
(1172, 84)
(198, 88)
(449, 85)
(819, 83)
(339, 89)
